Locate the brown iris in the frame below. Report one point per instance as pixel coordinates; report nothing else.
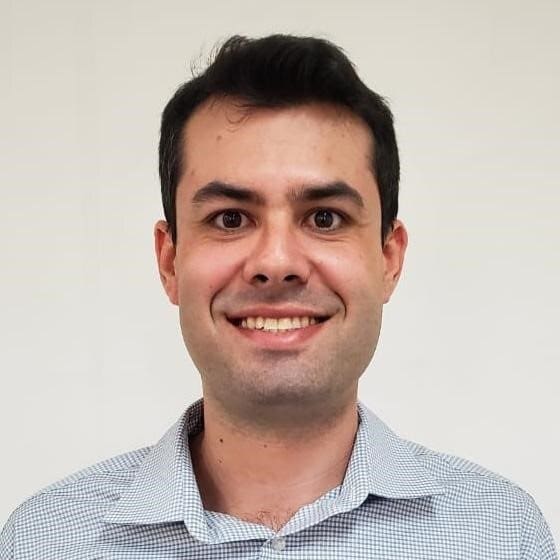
(231, 219)
(323, 219)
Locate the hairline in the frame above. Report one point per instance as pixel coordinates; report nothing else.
(342, 111)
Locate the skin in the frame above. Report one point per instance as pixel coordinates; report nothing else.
(269, 406)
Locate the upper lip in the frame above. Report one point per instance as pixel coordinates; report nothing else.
(276, 312)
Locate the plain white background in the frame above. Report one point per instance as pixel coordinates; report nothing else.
(91, 359)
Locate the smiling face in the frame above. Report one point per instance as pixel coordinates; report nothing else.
(279, 271)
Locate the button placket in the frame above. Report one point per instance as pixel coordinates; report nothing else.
(278, 544)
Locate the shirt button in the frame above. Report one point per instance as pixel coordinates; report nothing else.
(278, 544)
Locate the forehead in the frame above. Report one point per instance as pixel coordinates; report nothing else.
(276, 147)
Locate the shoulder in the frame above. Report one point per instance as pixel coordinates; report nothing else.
(110, 473)
(467, 480)
(475, 491)
(73, 504)
(454, 471)
(102, 482)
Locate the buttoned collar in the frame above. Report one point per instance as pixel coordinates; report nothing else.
(164, 488)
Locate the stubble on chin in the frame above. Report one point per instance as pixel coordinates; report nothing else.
(274, 400)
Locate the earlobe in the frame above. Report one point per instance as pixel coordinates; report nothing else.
(394, 250)
(165, 254)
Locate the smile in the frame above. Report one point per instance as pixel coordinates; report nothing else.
(280, 324)
(277, 329)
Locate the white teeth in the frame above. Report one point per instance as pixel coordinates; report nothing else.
(272, 324)
(284, 324)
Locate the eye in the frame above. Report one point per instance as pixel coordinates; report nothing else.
(325, 219)
(229, 219)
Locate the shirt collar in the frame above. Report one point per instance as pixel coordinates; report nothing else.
(385, 465)
(164, 488)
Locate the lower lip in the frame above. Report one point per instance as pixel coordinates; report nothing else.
(279, 340)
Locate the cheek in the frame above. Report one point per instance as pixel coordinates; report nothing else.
(356, 275)
(202, 274)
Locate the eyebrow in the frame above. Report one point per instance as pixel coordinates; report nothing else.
(307, 193)
(336, 189)
(218, 189)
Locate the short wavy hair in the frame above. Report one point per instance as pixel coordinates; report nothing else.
(281, 71)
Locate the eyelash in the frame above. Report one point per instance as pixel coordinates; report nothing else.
(343, 219)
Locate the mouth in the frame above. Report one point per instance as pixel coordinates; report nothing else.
(277, 324)
(286, 332)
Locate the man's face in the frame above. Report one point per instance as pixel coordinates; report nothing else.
(279, 271)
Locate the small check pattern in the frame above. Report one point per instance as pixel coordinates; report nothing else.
(398, 500)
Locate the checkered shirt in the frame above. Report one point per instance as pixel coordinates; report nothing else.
(398, 500)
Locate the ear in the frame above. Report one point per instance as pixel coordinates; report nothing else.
(394, 249)
(165, 254)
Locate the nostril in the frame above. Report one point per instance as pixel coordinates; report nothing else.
(261, 278)
(291, 277)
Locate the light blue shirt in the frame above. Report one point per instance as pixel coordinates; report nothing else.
(398, 500)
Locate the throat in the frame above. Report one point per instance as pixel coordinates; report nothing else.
(272, 519)
(265, 480)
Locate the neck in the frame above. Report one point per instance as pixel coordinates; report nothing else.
(251, 472)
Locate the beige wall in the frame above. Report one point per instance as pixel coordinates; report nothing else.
(91, 359)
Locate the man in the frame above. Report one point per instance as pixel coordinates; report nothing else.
(279, 172)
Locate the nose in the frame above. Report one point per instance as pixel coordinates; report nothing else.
(277, 257)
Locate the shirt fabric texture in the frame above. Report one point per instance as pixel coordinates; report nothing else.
(398, 500)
